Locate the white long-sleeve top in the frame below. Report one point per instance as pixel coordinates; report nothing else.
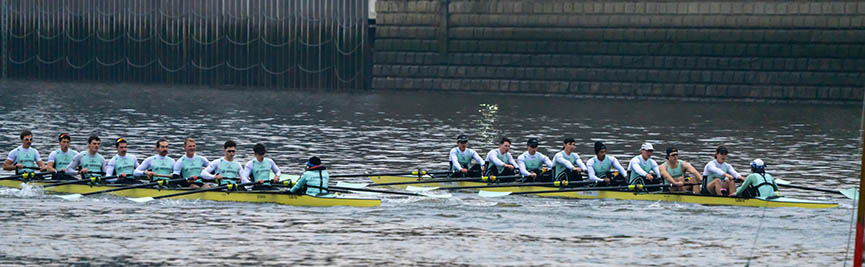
(521, 161)
(146, 165)
(213, 169)
(560, 159)
(591, 167)
(634, 166)
(73, 165)
(468, 152)
(112, 164)
(493, 156)
(713, 167)
(247, 169)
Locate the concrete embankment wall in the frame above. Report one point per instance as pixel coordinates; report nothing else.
(789, 50)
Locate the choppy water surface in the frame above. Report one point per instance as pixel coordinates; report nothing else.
(359, 132)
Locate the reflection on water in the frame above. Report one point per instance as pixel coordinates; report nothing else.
(808, 144)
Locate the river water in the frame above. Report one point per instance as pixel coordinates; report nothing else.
(808, 144)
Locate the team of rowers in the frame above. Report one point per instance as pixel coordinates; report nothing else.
(195, 171)
(718, 176)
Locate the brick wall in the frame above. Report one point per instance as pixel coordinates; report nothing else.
(792, 50)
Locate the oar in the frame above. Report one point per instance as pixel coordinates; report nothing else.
(446, 180)
(26, 175)
(850, 193)
(421, 173)
(160, 182)
(632, 187)
(227, 186)
(342, 189)
(81, 181)
(550, 184)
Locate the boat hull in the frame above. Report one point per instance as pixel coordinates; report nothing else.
(258, 197)
(671, 197)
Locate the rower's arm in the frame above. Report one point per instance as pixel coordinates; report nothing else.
(206, 173)
(246, 170)
(454, 160)
(666, 174)
(275, 169)
(733, 172)
(547, 161)
(491, 157)
(143, 167)
(178, 166)
(109, 169)
(714, 169)
(590, 168)
(635, 167)
(477, 158)
(70, 169)
(7, 165)
(521, 162)
(511, 160)
(580, 161)
(52, 158)
(300, 183)
(690, 168)
(748, 181)
(39, 162)
(562, 160)
(655, 168)
(619, 167)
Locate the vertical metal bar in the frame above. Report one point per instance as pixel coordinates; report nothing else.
(5, 30)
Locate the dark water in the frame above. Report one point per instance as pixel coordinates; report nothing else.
(808, 144)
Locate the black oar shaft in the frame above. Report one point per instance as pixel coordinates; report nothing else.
(465, 179)
(421, 173)
(370, 190)
(203, 190)
(548, 184)
(602, 188)
(811, 188)
(133, 187)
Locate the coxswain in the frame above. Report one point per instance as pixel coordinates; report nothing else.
(600, 167)
(758, 184)
(314, 179)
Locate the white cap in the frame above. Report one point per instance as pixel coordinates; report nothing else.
(647, 146)
(758, 163)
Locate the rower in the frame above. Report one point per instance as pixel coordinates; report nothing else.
(260, 169)
(91, 163)
(24, 159)
(673, 171)
(60, 158)
(157, 167)
(719, 168)
(569, 166)
(643, 169)
(759, 184)
(600, 167)
(314, 179)
(122, 165)
(461, 158)
(225, 170)
(190, 165)
(530, 162)
(503, 162)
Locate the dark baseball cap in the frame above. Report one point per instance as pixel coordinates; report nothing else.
(532, 142)
(462, 138)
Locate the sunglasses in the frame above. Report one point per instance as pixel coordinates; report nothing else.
(533, 146)
(674, 155)
(230, 151)
(27, 139)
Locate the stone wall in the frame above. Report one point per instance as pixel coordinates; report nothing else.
(792, 50)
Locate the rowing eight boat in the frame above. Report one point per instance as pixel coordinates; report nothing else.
(672, 197)
(242, 196)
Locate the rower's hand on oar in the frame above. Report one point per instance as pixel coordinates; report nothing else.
(149, 174)
(276, 179)
(533, 175)
(19, 166)
(464, 170)
(607, 180)
(217, 177)
(121, 176)
(509, 166)
(83, 171)
(260, 182)
(577, 169)
(679, 184)
(650, 177)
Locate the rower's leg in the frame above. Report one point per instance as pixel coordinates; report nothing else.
(731, 187)
(715, 187)
(193, 186)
